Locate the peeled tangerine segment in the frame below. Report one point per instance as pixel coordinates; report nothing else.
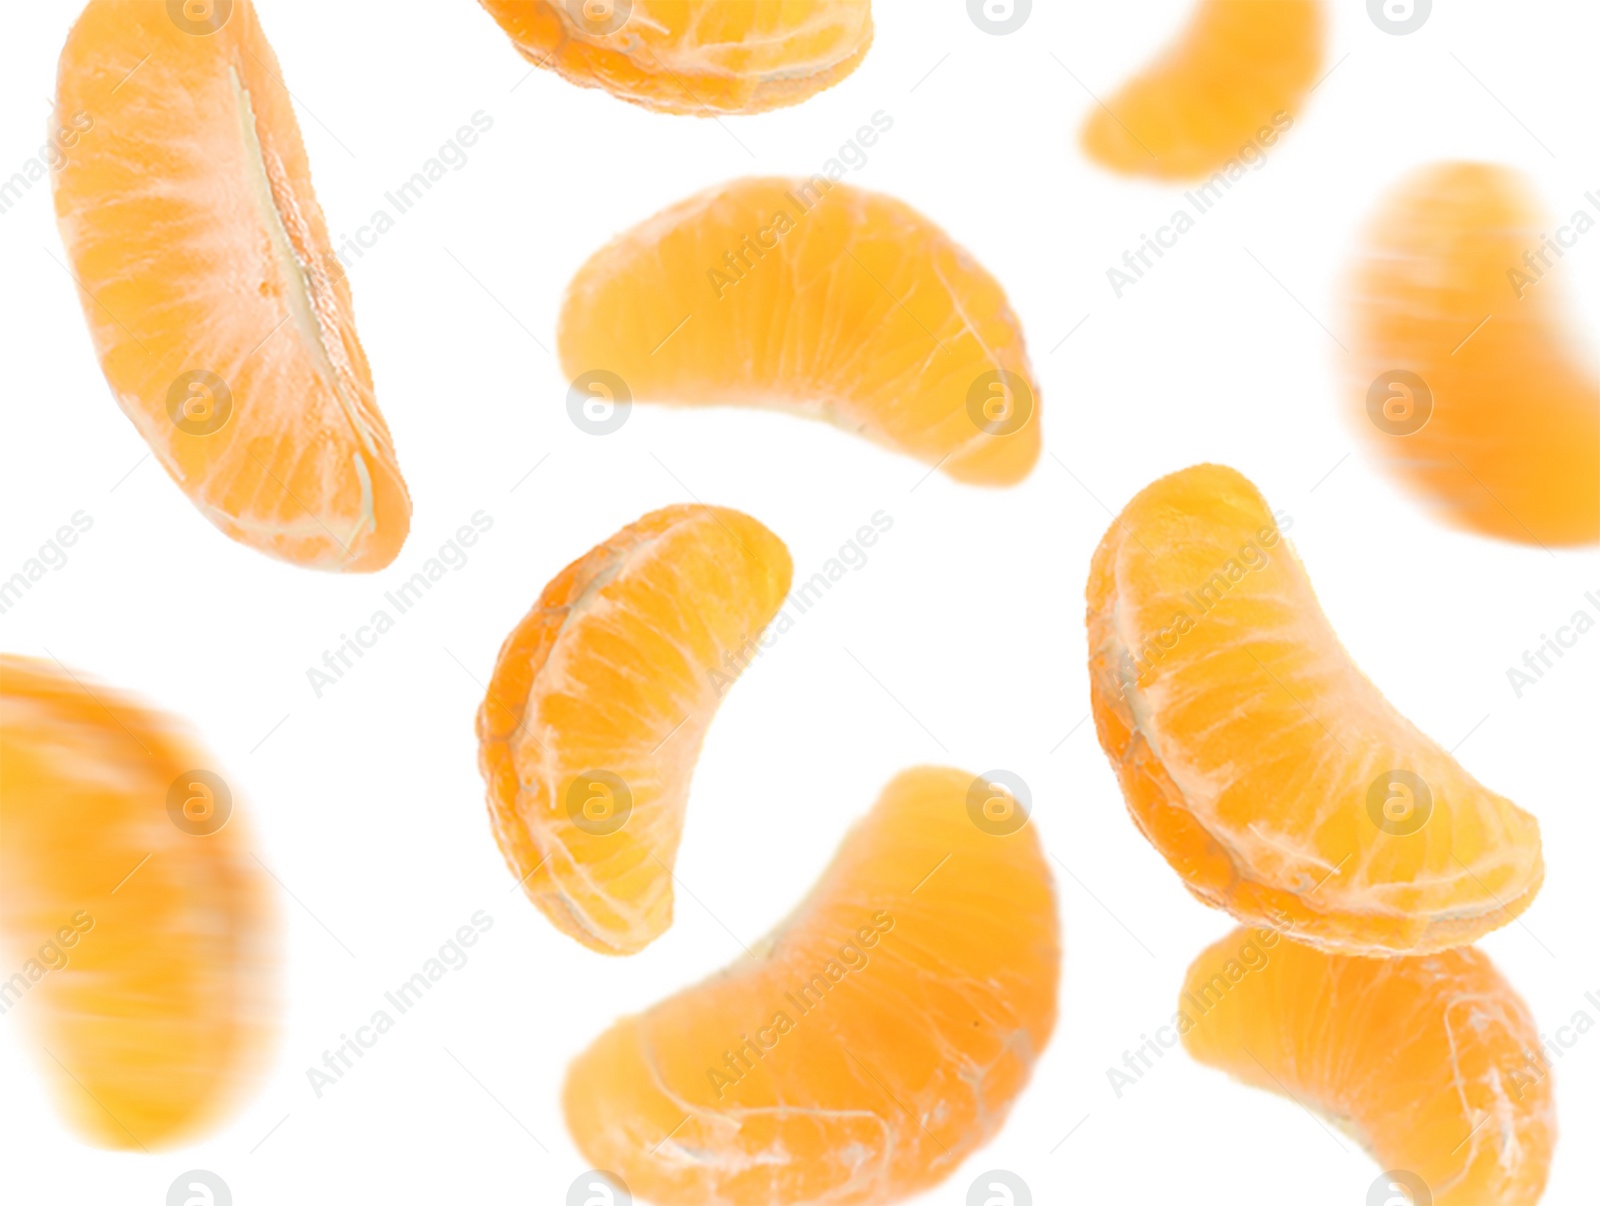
(1260, 761)
(818, 298)
(600, 699)
(705, 57)
(1467, 380)
(1433, 1063)
(1233, 81)
(862, 1050)
(221, 317)
(145, 947)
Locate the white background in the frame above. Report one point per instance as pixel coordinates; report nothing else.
(367, 802)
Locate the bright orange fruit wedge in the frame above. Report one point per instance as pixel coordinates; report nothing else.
(818, 298)
(1219, 98)
(704, 57)
(600, 699)
(1260, 761)
(1432, 1063)
(221, 316)
(862, 1050)
(139, 923)
(1466, 380)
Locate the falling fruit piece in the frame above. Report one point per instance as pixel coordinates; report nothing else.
(1465, 379)
(133, 908)
(600, 699)
(862, 1050)
(1219, 98)
(702, 57)
(1260, 761)
(817, 298)
(221, 316)
(1433, 1063)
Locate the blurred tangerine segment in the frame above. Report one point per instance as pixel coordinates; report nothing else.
(1432, 1062)
(1226, 91)
(1259, 760)
(599, 702)
(221, 316)
(821, 299)
(704, 57)
(1468, 382)
(142, 934)
(862, 1050)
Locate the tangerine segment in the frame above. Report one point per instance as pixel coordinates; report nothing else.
(1226, 90)
(222, 319)
(819, 298)
(862, 1050)
(1260, 761)
(702, 57)
(144, 934)
(1431, 1062)
(1465, 379)
(600, 699)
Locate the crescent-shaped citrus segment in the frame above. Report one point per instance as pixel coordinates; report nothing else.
(1432, 1062)
(1226, 91)
(221, 316)
(861, 1051)
(1260, 761)
(819, 298)
(703, 57)
(600, 699)
(145, 948)
(1465, 378)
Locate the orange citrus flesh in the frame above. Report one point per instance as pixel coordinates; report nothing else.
(145, 950)
(600, 699)
(1456, 286)
(1431, 1062)
(821, 299)
(704, 57)
(862, 1050)
(221, 316)
(1227, 90)
(1260, 761)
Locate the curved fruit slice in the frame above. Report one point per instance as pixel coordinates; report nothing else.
(1465, 378)
(1260, 761)
(693, 56)
(142, 931)
(819, 298)
(1226, 91)
(221, 316)
(600, 699)
(1431, 1062)
(866, 1046)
